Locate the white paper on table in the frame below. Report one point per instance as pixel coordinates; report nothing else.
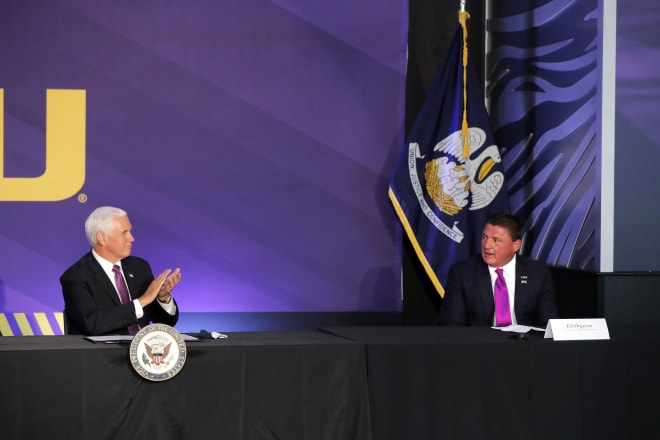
(519, 328)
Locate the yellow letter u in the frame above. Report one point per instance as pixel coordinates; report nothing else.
(64, 173)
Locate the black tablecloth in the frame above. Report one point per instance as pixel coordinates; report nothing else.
(275, 385)
(481, 383)
(343, 383)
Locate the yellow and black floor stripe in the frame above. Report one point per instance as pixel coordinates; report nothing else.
(31, 324)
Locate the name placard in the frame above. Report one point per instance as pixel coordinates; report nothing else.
(581, 329)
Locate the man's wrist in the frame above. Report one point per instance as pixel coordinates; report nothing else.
(167, 300)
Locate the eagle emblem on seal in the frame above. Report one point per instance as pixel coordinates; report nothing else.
(156, 353)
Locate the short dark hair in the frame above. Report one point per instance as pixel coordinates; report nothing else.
(508, 222)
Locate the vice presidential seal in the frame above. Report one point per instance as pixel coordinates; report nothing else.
(158, 352)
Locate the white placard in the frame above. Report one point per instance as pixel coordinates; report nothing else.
(577, 329)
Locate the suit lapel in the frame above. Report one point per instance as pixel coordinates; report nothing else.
(102, 279)
(521, 292)
(486, 288)
(131, 280)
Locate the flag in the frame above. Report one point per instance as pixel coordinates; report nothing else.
(449, 178)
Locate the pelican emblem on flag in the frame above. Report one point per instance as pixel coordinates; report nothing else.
(454, 182)
(451, 178)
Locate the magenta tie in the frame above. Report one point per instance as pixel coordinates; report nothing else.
(502, 310)
(123, 294)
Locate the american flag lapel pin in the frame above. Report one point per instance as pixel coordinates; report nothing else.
(523, 279)
(130, 275)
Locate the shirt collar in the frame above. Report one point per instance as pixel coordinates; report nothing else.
(105, 264)
(508, 268)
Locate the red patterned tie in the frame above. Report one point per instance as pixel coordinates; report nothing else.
(123, 294)
(502, 310)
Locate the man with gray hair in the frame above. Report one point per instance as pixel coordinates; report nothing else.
(108, 291)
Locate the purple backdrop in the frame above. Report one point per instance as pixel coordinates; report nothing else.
(545, 75)
(250, 141)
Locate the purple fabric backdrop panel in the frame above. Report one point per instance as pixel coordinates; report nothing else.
(545, 106)
(250, 141)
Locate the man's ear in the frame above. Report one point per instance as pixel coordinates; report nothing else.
(100, 238)
(516, 245)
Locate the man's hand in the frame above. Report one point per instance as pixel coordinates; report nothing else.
(165, 291)
(152, 292)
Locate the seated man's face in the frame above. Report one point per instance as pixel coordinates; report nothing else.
(118, 243)
(497, 247)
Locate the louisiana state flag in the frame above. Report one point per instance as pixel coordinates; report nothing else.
(449, 178)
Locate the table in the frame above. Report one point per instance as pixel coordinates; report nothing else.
(375, 383)
(481, 383)
(252, 385)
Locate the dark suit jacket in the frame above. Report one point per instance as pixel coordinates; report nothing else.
(469, 296)
(91, 303)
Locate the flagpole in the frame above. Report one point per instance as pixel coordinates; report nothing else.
(463, 16)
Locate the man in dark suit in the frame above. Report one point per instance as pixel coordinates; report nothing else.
(469, 297)
(108, 291)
